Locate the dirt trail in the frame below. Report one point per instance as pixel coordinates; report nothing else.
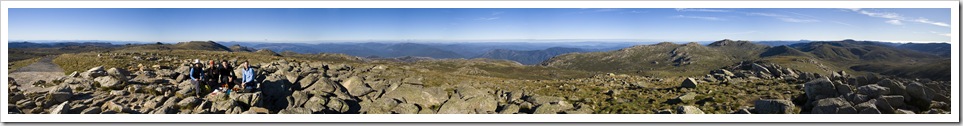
(44, 69)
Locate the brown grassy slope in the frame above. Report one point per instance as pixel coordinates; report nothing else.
(21, 63)
(663, 59)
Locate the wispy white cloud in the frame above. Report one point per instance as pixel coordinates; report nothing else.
(947, 34)
(784, 18)
(895, 22)
(700, 10)
(597, 10)
(881, 14)
(927, 21)
(486, 18)
(797, 20)
(837, 22)
(765, 14)
(943, 34)
(492, 16)
(605, 10)
(821, 19)
(895, 16)
(700, 17)
(635, 12)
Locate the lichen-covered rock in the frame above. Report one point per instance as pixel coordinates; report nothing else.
(295, 111)
(417, 95)
(307, 81)
(316, 103)
(894, 100)
(110, 82)
(256, 110)
(872, 90)
(553, 108)
(820, 88)
(405, 108)
(114, 107)
(509, 109)
(189, 102)
(58, 94)
(870, 110)
(687, 98)
(539, 100)
(94, 72)
(895, 88)
(474, 105)
(338, 105)
(223, 106)
(774, 106)
(833, 106)
(689, 83)
(760, 68)
(91, 110)
(119, 74)
(356, 86)
(921, 96)
(61, 109)
(688, 109)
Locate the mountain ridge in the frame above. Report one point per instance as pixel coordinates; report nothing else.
(529, 57)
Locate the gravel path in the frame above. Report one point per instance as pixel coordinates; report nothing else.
(44, 69)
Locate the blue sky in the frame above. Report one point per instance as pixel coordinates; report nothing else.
(415, 24)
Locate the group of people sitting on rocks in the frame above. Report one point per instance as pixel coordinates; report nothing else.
(215, 77)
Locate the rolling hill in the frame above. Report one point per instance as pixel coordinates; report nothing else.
(825, 57)
(940, 49)
(418, 50)
(528, 57)
(201, 45)
(663, 59)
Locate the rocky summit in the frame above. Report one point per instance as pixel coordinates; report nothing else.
(726, 77)
(286, 88)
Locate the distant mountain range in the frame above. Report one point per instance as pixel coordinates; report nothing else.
(780, 43)
(528, 57)
(56, 45)
(535, 53)
(522, 52)
(941, 49)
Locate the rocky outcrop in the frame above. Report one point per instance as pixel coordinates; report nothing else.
(63, 108)
(288, 87)
(820, 88)
(94, 72)
(285, 88)
(356, 86)
(920, 95)
(110, 82)
(873, 91)
(689, 110)
(689, 83)
(774, 106)
(833, 106)
(873, 96)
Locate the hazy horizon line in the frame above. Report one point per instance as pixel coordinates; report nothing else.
(465, 41)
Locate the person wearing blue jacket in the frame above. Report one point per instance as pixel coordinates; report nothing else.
(197, 77)
(247, 77)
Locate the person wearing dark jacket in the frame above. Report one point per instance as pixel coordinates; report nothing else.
(226, 73)
(212, 75)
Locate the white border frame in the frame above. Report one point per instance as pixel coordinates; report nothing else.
(954, 117)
